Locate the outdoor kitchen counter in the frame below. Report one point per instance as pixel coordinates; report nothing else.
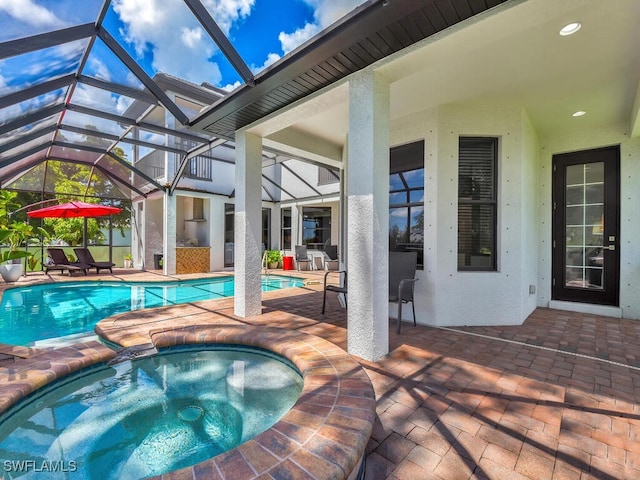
(193, 260)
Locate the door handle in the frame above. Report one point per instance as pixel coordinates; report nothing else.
(610, 247)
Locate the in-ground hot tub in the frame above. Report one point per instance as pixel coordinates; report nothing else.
(151, 415)
(324, 434)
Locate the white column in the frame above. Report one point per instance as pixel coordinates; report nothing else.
(247, 230)
(368, 216)
(169, 235)
(296, 231)
(216, 233)
(276, 227)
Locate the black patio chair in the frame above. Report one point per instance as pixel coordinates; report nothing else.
(332, 287)
(402, 273)
(331, 257)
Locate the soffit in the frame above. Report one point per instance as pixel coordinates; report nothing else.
(510, 55)
(372, 32)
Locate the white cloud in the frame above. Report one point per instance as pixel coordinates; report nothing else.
(191, 36)
(151, 26)
(325, 13)
(101, 70)
(271, 59)
(95, 98)
(4, 88)
(31, 13)
(152, 137)
(290, 41)
(231, 86)
(328, 11)
(227, 12)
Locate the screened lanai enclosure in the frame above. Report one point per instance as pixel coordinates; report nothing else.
(89, 86)
(231, 131)
(141, 102)
(89, 94)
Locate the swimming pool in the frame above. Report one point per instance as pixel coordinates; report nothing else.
(32, 314)
(149, 416)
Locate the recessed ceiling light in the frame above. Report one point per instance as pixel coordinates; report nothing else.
(579, 113)
(570, 28)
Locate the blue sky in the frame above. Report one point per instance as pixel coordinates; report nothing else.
(163, 35)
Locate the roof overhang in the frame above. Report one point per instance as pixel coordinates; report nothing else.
(368, 34)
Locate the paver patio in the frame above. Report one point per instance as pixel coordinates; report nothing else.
(555, 398)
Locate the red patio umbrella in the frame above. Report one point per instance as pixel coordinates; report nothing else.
(73, 210)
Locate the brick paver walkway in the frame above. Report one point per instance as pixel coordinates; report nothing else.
(555, 398)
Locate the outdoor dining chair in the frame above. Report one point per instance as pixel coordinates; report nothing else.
(331, 257)
(303, 258)
(332, 287)
(402, 277)
(402, 273)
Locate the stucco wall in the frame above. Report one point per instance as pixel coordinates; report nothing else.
(529, 224)
(153, 218)
(446, 296)
(629, 205)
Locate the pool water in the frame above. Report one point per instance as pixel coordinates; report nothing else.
(149, 416)
(32, 314)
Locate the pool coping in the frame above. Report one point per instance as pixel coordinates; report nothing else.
(324, 435)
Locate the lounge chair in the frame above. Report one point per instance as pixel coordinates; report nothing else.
(332, 287)
(402, 273)
(84, 256)
(60, 261)
(303, 258)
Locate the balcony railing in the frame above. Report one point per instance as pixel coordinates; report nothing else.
(199, 168)
(151, 165)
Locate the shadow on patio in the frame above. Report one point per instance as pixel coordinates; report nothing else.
(557, 397)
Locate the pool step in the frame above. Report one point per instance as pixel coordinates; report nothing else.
(131, 353)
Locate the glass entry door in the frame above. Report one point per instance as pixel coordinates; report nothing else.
(586, 260)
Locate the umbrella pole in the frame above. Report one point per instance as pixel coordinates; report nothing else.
(111, 238)
(84, 233)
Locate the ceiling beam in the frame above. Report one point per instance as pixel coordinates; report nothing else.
(119, 89)
(27, 137)
(34, 163)
(147, 81)
(124, 163)
(135, 170)
(268, 194)
(17, 172)
(36, 90)
(279, 187)
(111, 176)
(116, 138)
(27, 153)
(316, 191)
(21, 46)
(191, 154)
(31, 118)
(221, 40)
(128, 121)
